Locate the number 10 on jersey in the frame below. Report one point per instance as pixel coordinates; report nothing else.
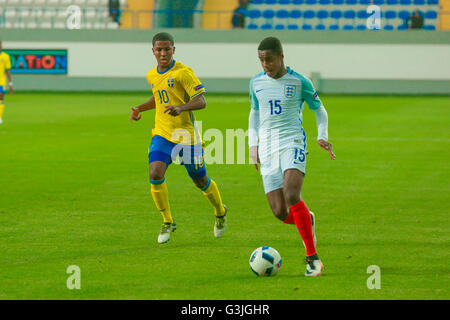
(163, 96)
(275, 106)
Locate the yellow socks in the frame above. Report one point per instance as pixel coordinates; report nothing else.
(160, 195)
(2, 107)
(212, 193)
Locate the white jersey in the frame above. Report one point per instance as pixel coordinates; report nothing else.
(280, 103)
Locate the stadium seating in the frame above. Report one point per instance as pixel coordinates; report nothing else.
(429, 27)
(337, 14)
(260, 14)
(53, 14)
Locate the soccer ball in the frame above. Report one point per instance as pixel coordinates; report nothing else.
(265, 261)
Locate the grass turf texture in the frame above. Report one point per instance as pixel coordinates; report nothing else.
(75, 191)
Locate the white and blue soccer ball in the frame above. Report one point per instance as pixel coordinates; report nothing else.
(265, 261)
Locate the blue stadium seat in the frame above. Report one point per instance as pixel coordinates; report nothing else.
(390, 14)
(429, 27)
(306, 27)
(284, 1)
(282, 14)
(322, 14)
(419, 2)
(433, 2)
(402, 27)
(320, 27)
(405, 2)
(268, 13)
(404, 14)
(392, 2)
(311, 2)
(254, 14)
(252, 26)
(430, 15)
(364, 2)
(324, 2)
(333, 27)
(257, 1)
(338, 2)
(292, 27)
(266, 26)
(295, 14)
(351, 2)
(378, 2)
(336, 14)
(280, 27)
(308, 14)
(349, 14)
(388, 27)
(348, 27)
(361, 27)
(362, 14)
(270, 2)
(298, 2)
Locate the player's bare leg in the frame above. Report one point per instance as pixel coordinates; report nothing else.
(160, 194)
(277, 203)
(280, 209)
(2, 107)
(293, 181)
(211, 192)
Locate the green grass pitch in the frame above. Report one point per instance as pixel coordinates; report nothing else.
(74, 190)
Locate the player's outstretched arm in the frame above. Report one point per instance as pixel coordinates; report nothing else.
(196, 103)
(135, 112)
(322, 128)
(327, 146)
(253, 127)
(11, 88)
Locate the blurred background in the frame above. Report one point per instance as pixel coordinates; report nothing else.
(345, 46)
(226, 14)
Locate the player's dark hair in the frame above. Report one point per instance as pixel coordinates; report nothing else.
(271, 43)
(162, 36)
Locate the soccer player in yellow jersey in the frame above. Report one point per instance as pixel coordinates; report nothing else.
(5, 65)
(176, 93)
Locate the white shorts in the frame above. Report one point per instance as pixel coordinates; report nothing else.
(273, 168)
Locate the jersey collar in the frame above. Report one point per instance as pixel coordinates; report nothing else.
(157, 68)
(289, 71)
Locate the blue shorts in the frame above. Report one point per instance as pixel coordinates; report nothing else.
(166, 151)
(2, 89)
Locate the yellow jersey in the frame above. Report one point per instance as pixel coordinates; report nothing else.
(5, 64)
(175, 86)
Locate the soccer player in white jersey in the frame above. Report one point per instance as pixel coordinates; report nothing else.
(277, 140)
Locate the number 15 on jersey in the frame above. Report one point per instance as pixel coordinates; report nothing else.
(275, 106)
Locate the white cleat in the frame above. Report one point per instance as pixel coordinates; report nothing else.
(314, 266)
(1, 121)
(221, 224)
(313, 222)
(166, 229)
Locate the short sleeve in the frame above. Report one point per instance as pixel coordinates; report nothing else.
(149, 79)
(253, 99)
(191, 84)
(8, 62)
(310, 94)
